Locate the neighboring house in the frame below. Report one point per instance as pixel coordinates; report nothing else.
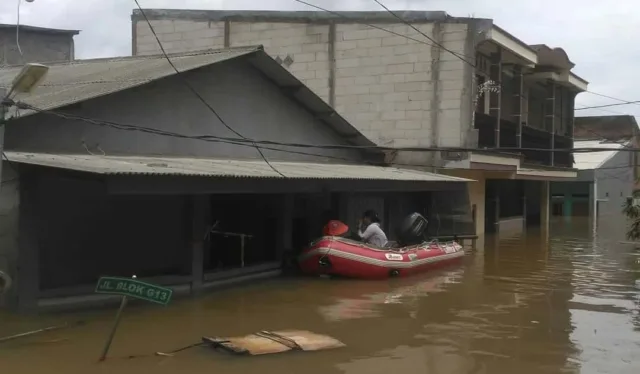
(403, 90)
(38, 44)
(94, 199)
(605, 179)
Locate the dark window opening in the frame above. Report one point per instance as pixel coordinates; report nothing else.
(252, 217)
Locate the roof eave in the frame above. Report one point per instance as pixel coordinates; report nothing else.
(516, 46)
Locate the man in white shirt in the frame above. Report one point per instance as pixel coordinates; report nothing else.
(372, 233)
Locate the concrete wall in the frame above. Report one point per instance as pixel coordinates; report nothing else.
(242, 97)
(614, 183)
(396, 91)
(35, 46)
(9, 215)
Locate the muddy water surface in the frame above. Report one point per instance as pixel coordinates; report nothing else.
(518, 305)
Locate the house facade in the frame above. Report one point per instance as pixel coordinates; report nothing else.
(605, 178)
(473, 85)
(115, 167)
(38, 44)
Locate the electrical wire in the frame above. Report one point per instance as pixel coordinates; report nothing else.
(624, 145)
(372, 25)
(458, 55)
(608, 105)
(193, 90)
(254, 142)
(614, 98)
(266, 144)
(435, 43)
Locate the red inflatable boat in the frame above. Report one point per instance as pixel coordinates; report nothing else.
(334, 255)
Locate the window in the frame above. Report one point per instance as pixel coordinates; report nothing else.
(606, 194)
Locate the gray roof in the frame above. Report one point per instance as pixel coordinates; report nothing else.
(72, 82)
(616, 127)
(81, 80)
(44, 30)
(177, 166)
(296, 16)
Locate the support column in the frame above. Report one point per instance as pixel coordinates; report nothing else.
(519, 79)
(285, 226)
(495, 98)
(497, 215)
(227, 33)
(550, 117)
(27, 278)
(524, 208)
(544, 206)
(593, 205)
(199, 206)
(567, 206)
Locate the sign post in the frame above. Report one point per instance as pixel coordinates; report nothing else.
(107, 345)
(130, 287)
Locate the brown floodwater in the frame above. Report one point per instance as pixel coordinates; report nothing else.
(518, 304)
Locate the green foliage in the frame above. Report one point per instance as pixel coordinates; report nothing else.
(632, 211)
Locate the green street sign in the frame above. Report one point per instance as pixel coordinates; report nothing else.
(134, 288)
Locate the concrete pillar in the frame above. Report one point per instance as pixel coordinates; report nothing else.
(544, 205)
(199, 207)
(567, 205)
(593, 205)
(285, 225)
(9, 227)
(524, 208)
(495, 97)
(27, 279)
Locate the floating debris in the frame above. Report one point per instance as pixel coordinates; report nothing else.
(268, 342)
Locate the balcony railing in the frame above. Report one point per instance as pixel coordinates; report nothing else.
(531, 138)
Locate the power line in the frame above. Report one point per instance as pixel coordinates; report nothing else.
(373, 26)
(244, 143)
(608, 105)
(613, 98)
(255, 142)
(435, 43)
(186, 83)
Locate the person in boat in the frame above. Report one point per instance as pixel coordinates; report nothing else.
(370, 231)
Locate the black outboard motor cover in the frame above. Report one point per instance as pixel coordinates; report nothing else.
(412, 229)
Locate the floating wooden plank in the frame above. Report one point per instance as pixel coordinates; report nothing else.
(267, 342)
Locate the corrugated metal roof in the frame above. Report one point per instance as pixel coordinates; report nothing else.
(73, 82)
(593, 160)
(70, 83)
(137, 165)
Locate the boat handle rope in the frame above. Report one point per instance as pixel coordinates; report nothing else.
(328, 250)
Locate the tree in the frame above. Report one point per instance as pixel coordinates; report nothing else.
(631, 209)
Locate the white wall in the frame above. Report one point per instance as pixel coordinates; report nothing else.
(391, 88)
(615, 183)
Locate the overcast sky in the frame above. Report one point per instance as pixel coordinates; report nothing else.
(599, 36)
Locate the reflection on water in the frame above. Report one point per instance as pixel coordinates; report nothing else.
(519, 305)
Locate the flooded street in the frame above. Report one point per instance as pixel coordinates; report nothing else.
(517, 305)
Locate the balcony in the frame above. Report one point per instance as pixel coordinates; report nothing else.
(531, 138)
(525, 100)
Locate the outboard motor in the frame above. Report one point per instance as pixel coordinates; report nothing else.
(412, 229)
